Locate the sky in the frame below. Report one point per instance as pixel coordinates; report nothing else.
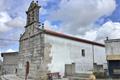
(89, 19)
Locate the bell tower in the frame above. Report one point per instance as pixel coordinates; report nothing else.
(31, 60)
(33, 14)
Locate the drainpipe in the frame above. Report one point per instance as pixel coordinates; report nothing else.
(93, 56)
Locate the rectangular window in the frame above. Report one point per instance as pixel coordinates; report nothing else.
(83, 52)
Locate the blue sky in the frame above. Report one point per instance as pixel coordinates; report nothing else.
(94, 20)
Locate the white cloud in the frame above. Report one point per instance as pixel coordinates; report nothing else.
(10, 50)
(49, 26)
(16, 22)
(4, 17)
(109, 29)
(9, 31)
(91, 35)
(79, 14)
(43, 11)
(7, 23)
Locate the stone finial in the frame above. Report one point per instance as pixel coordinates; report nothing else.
(37, 2)
(42, 25)
(32, 1)
(21, 35)
(107, 38)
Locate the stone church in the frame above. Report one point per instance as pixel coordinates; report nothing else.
(42, 51)
(32, 58)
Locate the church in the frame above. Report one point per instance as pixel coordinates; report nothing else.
(43, 51)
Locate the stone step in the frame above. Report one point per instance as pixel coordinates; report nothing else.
(10, 77)
(82, 75)
(79, 78)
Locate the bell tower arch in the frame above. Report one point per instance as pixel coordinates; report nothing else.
(33, 14)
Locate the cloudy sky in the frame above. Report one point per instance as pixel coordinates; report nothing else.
(89, 19)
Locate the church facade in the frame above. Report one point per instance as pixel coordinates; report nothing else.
(43, 51)
(31, 63)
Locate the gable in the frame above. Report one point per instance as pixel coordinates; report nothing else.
(29, 32)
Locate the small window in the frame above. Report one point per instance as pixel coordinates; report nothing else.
(83, 52)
